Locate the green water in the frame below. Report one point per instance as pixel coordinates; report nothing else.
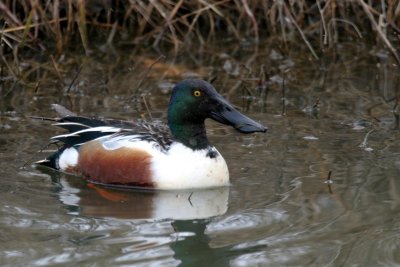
(280, 209)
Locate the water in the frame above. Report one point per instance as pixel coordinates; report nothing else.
(281, 208)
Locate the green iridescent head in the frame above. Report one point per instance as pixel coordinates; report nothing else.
(194, 100)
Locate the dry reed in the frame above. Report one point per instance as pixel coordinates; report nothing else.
(55, 25)
(35, 31)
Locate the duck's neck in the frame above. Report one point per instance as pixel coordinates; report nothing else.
(189, 134)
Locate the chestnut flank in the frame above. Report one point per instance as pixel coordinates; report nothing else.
(122, 166)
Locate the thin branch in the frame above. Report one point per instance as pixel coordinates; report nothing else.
(303, 36)
(375, 26)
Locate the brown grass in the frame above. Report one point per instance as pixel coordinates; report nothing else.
(35, 34)
(56, 25)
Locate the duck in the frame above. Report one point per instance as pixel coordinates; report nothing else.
(176, 155)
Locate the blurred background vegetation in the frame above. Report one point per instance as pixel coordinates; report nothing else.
(56, 26)
(39, 34)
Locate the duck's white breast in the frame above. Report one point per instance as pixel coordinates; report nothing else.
(184, 168)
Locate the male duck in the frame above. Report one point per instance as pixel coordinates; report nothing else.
(151, 154)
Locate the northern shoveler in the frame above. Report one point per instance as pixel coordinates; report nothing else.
(151, 154)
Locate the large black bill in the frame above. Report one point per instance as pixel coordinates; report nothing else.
(226, 114)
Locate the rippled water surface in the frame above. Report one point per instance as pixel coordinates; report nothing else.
(281, 208)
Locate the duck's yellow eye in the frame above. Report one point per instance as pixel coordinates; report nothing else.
(197, 93)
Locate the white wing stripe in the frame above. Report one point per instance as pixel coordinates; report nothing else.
(103, 129)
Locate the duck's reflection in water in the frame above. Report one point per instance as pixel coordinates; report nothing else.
(99, 201)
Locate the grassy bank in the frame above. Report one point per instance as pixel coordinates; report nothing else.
(56, 25)
(36, 36)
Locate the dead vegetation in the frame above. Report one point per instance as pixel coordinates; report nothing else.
(56, 25)
(36, 36)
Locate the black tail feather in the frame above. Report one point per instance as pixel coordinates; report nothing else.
(52, 160)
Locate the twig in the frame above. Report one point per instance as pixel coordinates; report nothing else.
(36, 87)
(252, 18)
(321, 13)
(283, 96)
(56, 68)
(168, 21)
(329, 182)
(74, 79)
(189, 199)
(316, 104)
(111, 35)
(12, 17)
(213, 79)
(379, 29)
(7, 13)
(364, 143)
(147, 107)
(212, 6)
(329, 177)
(396, 114)
(303, 36)
(13, 74)
(82, 25)
(264, 87)
(351, 24)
